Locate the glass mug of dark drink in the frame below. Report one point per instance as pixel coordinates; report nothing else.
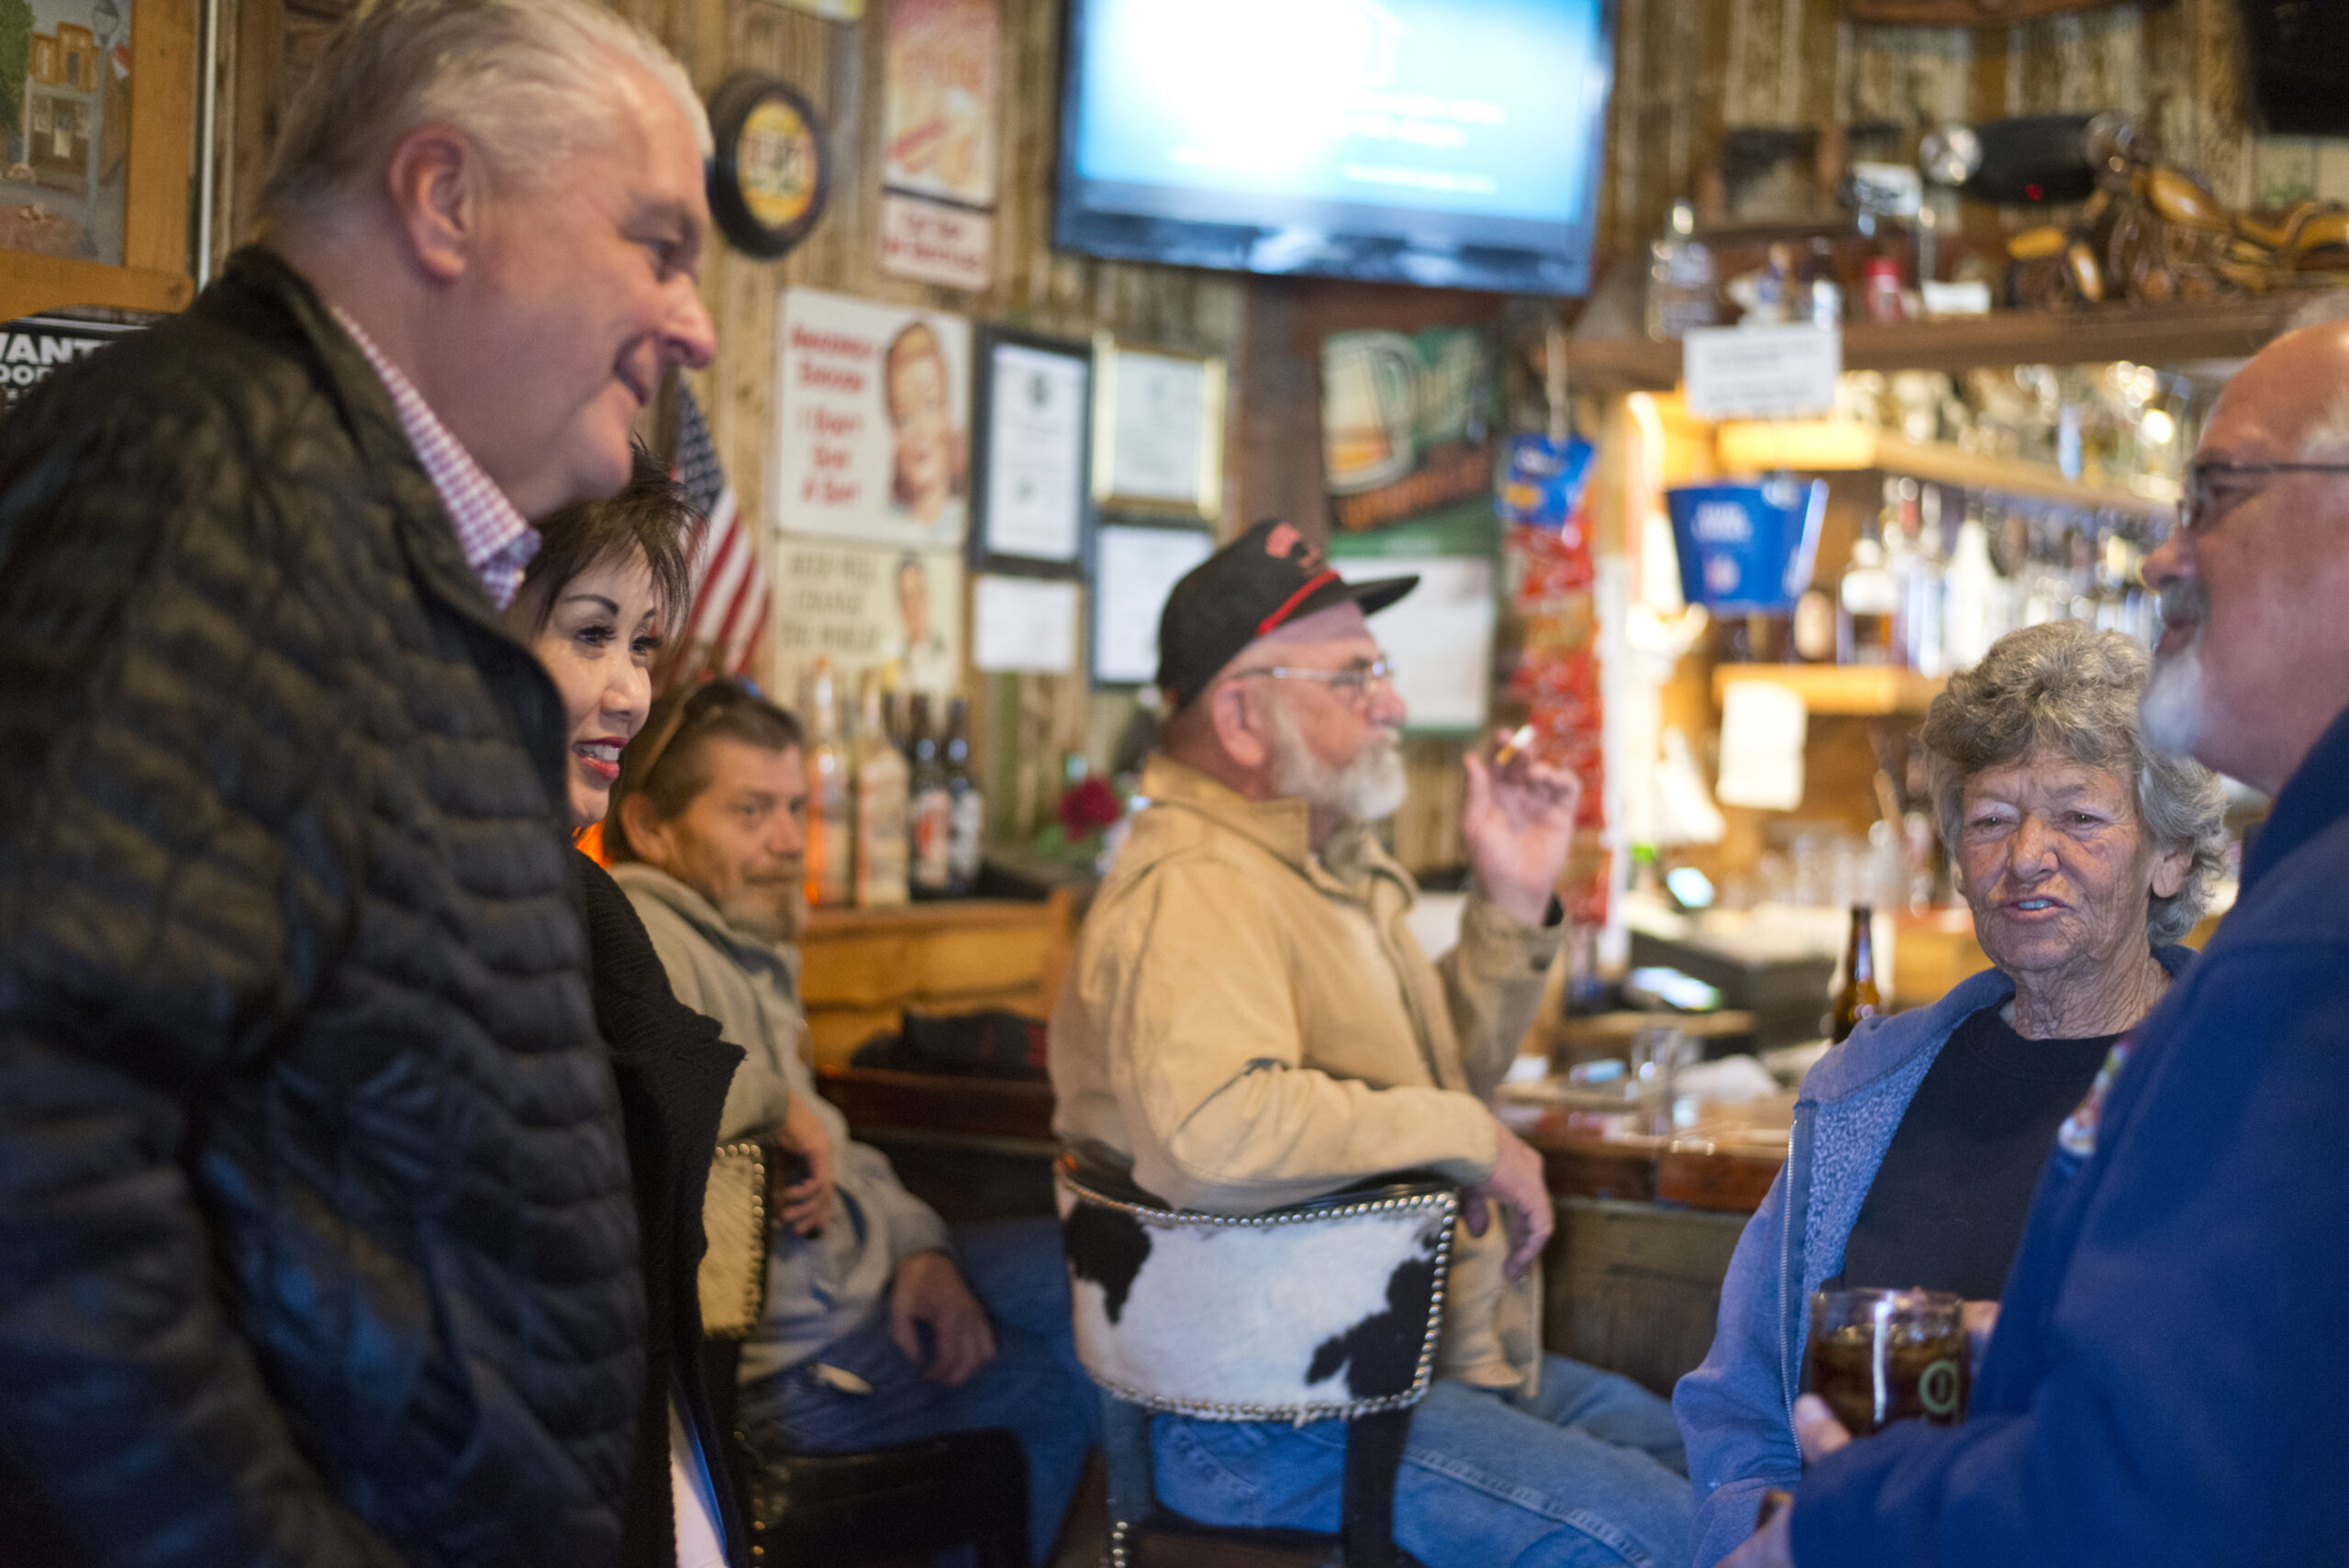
(1881, 1356)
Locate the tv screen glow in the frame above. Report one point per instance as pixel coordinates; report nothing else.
(1446, 142)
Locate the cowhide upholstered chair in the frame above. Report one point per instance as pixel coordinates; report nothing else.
(1328, 1311)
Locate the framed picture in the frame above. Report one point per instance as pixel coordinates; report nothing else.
(1157, 431)
(1031, 485)
(1135, 566)
(98, 111)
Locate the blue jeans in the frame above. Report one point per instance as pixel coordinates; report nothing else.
(1033, 1385)
(1588, 1472)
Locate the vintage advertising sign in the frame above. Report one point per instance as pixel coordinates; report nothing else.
(938, 100)
(938, 168)
(872, 421)
(1405, 423)
(899, 611)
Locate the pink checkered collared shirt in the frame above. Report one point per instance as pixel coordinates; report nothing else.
(496, 541)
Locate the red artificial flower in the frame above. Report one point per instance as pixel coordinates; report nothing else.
(1088, 805)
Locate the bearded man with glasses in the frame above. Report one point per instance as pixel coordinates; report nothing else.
(1248, 1023)
(2164, 1373)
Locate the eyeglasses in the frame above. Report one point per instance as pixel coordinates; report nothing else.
(1350, 683)
(2198, 510)
(709, 697)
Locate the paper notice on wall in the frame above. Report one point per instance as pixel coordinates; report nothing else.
(1023, 624)
(1761, 372)
(1764, 727)
(936, 242)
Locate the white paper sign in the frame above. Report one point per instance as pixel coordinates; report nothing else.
(872, 421)
(1157, 436)
(1763, 729)
(1022, 623)
(1133, 571)
(1037, 407)
(1761, 372)
(1439, 637)
(934, 243)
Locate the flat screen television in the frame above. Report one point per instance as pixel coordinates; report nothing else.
(1451, 143)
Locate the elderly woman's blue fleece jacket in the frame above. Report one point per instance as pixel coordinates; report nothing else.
(1734, 1410)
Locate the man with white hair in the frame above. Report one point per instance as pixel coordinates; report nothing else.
(1248, 1023)
(316, 1241)
(2165, 1386)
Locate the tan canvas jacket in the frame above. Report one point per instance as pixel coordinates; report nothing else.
(1249, 1025)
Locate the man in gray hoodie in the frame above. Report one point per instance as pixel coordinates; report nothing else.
(881, 1325)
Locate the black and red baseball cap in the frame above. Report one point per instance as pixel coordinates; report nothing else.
(1259, 583)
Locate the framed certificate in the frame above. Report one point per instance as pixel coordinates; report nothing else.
(1032, 487)
(1157, 431)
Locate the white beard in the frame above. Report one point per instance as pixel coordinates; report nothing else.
(1367, 789)
(2172, 712)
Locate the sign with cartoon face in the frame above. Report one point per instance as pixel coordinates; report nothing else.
(872, 421)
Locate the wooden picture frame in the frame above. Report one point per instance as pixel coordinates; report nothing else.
(154, 274)
(1055, 539)
(1157, 431)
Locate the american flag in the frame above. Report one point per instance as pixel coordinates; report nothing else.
(730, 593)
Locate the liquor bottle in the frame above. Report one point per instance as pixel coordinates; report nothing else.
(880, 790)
(1859, 997)
(1680, 277)
(1814, 632)
(831, 857)
(1912, 554)
(1869, 597)
(962, 789)
(929, 811)
(1976, 598)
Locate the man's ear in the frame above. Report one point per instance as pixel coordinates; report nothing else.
(439, 190)
(1239, 725)
(648, 836)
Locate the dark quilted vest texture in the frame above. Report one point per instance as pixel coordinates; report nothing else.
(315, 1235)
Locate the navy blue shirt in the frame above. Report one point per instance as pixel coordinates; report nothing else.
(2169, 1381)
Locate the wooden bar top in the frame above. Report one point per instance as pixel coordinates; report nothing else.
(1720, 1157)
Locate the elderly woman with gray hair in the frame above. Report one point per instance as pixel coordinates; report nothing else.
(2084, 855)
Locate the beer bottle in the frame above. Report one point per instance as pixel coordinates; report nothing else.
(1859, 997)
(930, 812)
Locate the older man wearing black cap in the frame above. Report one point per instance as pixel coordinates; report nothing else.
(1248, 1023)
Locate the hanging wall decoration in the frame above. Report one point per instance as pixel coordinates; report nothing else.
(771, 177)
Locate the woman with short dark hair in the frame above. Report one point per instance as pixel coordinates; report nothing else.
(2083, 854)
(609, 581)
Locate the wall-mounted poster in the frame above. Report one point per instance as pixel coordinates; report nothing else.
(938, 130)
(1406, 425)
(938, 141)
(65, 107)
(896, 610)
(872, 421)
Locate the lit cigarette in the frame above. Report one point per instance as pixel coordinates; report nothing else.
(1516, 746)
